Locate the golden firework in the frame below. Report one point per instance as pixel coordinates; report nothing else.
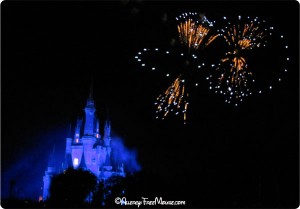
(193, 34)
(244, 37)
(174, 99)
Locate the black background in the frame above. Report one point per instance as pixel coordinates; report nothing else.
(224, 157)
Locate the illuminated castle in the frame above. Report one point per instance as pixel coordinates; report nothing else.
(88, 149)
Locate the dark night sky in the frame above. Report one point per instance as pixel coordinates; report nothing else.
(225, 154)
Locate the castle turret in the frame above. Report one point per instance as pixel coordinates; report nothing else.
(106, 137)
(77, 131)
(69, 141)
(97, 130)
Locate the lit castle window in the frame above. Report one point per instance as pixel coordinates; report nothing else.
(75, 162)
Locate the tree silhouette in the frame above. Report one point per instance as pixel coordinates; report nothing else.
(99, 194)
(71, 188)
(107, 190)
(118, 186)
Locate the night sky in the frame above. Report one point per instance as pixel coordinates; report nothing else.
(225, 156)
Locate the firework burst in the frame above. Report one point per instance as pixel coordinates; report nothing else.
(193, 33)
(178, 73)
(236, 78)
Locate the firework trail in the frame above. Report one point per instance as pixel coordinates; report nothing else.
(173, 100)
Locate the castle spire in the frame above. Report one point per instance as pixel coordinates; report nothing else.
(89, 113)
(107, 130)
(90, 100)
(77, 130)
(97, 130)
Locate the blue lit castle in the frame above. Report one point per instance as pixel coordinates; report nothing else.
(88, 149)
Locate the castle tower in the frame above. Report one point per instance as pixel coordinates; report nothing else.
(76, 145)
(89, 139)
(107, 139)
